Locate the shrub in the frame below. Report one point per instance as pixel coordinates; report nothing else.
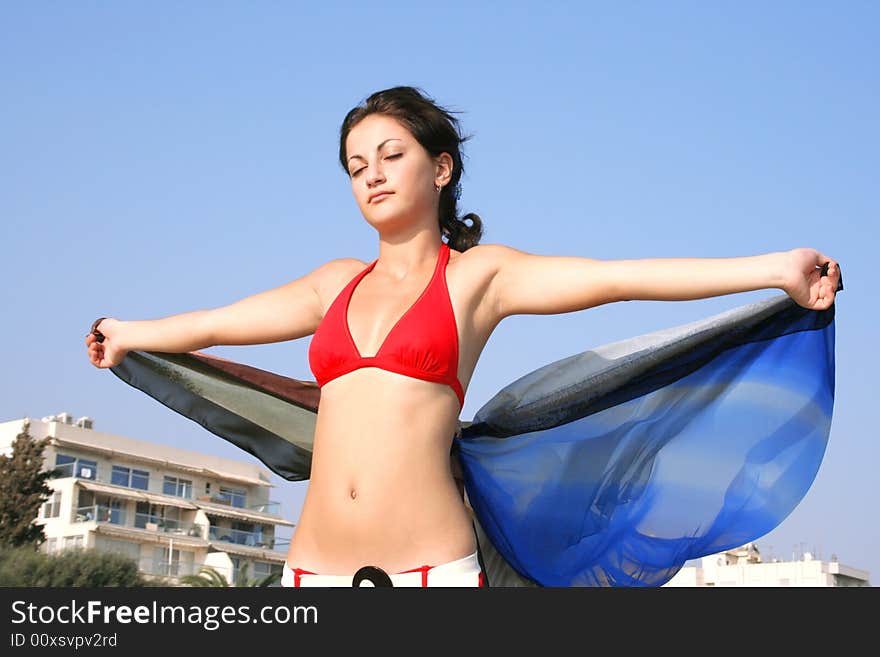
(23, 566)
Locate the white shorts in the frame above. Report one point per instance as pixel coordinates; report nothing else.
(461, 572)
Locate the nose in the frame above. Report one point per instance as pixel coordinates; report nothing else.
(375, 175)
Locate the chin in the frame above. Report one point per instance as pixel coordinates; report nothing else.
(391, 222)
(384, 214)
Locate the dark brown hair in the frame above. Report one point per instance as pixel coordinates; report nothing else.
(437, 130)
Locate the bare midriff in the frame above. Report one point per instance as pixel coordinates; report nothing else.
(381, 490)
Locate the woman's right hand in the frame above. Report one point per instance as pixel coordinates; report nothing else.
(107, 353)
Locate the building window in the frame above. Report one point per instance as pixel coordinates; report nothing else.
(115, 513)
(70, 466)
(140, 479)
(171, 517)
(52, 508)
(145, 513)
(116, 546)
(130, 478)
(252, 571)
(86, 469)
(65, 465)
(51, 545)
(263, 569)
(100, 508)
(166, 562)
(153, 517)
(172, 563)
(75, 542)
(245, 533)
(177, 487)
(234, 496)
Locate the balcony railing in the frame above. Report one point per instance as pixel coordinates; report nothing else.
(65, 470)
(241, 537)
(166, 569)
(101, 513)
(168, 525)
(157, 486)
(271, 507)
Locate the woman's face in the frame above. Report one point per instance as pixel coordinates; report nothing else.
(393, 177)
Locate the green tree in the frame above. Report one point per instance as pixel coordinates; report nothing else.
(23, 491)
(208, 576)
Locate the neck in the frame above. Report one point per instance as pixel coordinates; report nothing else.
(398, 258)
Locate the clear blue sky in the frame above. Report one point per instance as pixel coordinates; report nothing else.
(157, 158)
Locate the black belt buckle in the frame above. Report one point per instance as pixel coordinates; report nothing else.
(373, 574)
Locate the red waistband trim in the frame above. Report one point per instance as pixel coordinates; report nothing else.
(423, 569)
(299, 572)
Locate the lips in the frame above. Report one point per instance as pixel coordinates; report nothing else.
(375, 198)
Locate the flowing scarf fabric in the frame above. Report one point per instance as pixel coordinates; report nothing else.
(611, 467)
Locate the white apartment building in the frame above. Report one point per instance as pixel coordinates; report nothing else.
(170, 509)
(743, 566)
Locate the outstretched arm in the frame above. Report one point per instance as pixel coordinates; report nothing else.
(286, 312)
(525, 283)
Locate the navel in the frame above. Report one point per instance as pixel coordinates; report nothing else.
(354, 493)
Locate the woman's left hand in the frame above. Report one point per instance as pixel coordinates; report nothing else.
(803, 280)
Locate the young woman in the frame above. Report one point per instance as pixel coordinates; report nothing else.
(396, 341)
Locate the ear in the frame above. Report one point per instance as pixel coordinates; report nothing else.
(443, 169)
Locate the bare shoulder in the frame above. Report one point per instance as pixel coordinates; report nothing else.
(486, 254)
(338, 267)
(487, 259)
(329, 279)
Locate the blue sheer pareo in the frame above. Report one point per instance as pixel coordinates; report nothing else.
(683, 454)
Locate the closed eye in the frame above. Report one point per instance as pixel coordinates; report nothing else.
(387, 157)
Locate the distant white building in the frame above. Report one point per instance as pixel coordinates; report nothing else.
(743, 566)
(172, 510)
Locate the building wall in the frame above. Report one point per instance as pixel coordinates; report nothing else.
(170, 536)
(807, 572)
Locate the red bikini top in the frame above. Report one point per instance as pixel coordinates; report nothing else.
(423, 344)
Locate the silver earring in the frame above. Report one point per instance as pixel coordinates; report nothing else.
(438, 188)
